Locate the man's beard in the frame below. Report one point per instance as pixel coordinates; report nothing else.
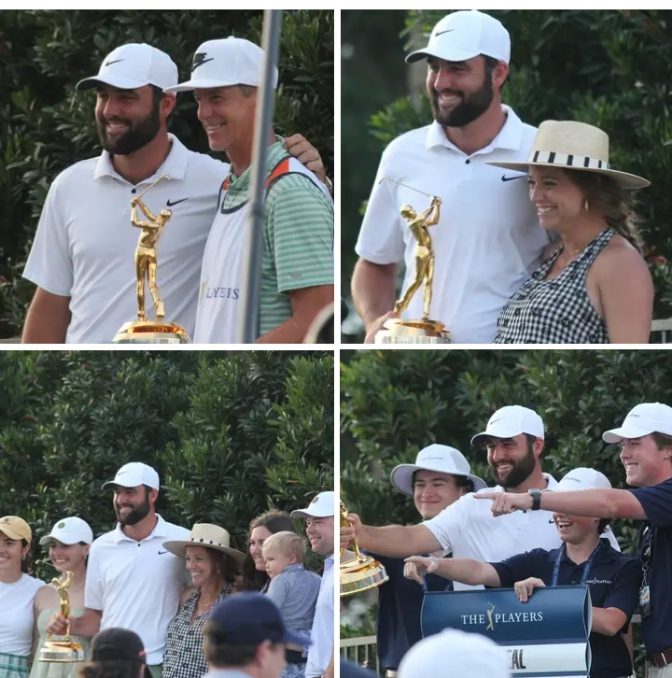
(139, 133)
(136, 514)
(472, 107)
(520, 472)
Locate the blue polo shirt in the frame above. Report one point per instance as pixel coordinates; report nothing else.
(399, 608)
(657, 504)
(613, 581)
(350, 670)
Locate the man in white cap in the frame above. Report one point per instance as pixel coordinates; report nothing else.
(485, 248)
(319, 517)
(584, 558)
(82, 258)
(297, 279)
(438, 478)
(646, 453)
(514, 439)
(132, 581)
(455, 654)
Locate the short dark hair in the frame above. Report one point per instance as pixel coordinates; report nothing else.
(662, 440)
(157, 95)
(110, 669)
(490, 65)
(603, 525)
(460, 481)
(27, 562)
(247, 90)
(220, 653)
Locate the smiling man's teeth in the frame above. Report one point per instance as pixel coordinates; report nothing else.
(544, 210)
(211, 128)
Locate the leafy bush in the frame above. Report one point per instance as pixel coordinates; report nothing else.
(46, 125)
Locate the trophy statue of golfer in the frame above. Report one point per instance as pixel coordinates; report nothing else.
(423, 330)
(363, 572)
(66, 650)
(143, 330)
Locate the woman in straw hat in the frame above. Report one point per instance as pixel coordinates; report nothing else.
(213, 566)
(594, 286)
(17, 593)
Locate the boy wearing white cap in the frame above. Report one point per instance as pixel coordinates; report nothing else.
(612, 578)
(69, 542)
(467, 64)
(319, 515)
(646, 454)
(132, 581)
(297, 267)
(439, 477)
(82, 256)
(514, 439)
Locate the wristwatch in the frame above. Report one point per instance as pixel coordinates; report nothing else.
(536, 499)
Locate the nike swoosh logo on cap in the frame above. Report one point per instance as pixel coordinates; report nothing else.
(436, 35)
(176, 202)
(116, 61)
(520, 176)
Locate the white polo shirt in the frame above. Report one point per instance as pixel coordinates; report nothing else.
(488, 239)
(17, 618)
(322, 633)
(137, 585)
(85, 244)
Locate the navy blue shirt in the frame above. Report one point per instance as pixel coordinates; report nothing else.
(657, 504)
(399, 608)
(350, 670)
(613, 581)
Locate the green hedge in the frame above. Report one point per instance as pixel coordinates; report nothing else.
(231, 434)
(47, 125)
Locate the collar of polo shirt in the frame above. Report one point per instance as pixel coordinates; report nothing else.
(160, 530)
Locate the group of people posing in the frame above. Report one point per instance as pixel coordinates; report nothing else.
(162, 582)
(89, 284)
(528, 531)
(546, 251)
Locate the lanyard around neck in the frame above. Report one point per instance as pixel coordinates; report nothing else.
(586, 566)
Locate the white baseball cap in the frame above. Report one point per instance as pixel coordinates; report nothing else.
(134, 474)
(223, 63)
(69, 531)
(641, 421)
(439, 458)
(322, 506)
(134, 65)
(583, 479)
(464, 35)
(511, 421)
(455, 653)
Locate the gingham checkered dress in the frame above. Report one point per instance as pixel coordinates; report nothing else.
(556, 311)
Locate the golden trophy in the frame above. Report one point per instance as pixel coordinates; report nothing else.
(142, 330)
(362, 573)
(423, 330)
(66, 650)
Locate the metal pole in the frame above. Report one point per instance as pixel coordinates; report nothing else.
(248, 327)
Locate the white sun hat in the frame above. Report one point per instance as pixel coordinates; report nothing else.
(439, 458)
(573, 146)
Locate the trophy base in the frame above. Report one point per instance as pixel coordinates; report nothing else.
(151, 332)
(61, 651)
(361, 574)
(398, 331)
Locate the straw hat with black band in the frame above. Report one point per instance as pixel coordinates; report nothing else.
(208, 536)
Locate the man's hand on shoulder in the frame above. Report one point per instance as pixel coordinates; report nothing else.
(299, 147)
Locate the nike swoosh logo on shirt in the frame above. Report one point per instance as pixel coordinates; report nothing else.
(519, 176)
(162, 552)
(175, 202)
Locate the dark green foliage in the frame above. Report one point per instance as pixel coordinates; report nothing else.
(230, 433)
(45, 125)
(606, 68)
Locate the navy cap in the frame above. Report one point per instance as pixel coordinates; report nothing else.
(250, 618)
(119, 645)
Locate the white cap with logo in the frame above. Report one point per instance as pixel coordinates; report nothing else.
(511, 421)
(455, 653)
(134, 474)
(439, 458)
(69, 531)
(223, 63)
(321, 506)
(641, 421)
(463, 35)
(583, 479)
(134, 65)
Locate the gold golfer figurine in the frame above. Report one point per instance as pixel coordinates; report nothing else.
(62, 588)
(424, 254)
(66, 650)
(145, 253)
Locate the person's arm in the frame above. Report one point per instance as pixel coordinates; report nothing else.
(299, 147)
(88, 624)
(47, 319)
(608, 621)
(591, 503)
(626, 294)
(329, 673)
(374, 294)
(306, 303)
(398, 541)
(464, 570)
(621, 600)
